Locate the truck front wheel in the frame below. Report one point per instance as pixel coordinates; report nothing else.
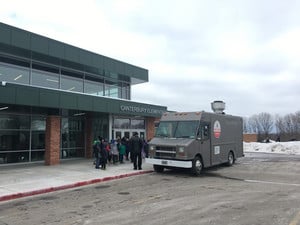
(158, 169)
(197, 166)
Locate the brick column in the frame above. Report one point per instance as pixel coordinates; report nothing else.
(150, 127)
(89, 137)
(52, 140)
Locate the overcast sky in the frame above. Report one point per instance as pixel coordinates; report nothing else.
(246, 53)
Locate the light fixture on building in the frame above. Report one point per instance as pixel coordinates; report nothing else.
(51, 80)
(79, 114)
(18, 77)
(3, 108)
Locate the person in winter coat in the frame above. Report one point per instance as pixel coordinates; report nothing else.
(103, 154)
(96, 152)
(136, 145)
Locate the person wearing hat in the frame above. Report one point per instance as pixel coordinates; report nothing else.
(136, 146)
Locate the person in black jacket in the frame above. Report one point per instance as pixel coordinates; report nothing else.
(136, 145)
(103, 153)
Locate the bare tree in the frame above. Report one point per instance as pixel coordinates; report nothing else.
(279, 125)
(265, 124)
(246, 126)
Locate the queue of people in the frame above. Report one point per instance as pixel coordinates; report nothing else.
(119, 150)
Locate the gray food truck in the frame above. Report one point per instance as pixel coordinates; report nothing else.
(196, 140)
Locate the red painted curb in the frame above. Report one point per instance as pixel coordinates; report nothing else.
(68, 186)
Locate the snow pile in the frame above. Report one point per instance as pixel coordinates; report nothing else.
(291, 148)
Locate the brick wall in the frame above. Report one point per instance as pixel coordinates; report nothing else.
(250, 137)
(52, 140)
(150, 126)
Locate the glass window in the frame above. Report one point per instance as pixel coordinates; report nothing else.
(14, 140)
(125, 91)
(38, 127)
(112, 89)
(71, 83)
(186, 129)
(44, 79)
(166, 129)
(120, 123)
(14, 122)
(137, 124)
(94, 86)
(14, 74)
(14, 157)
(72, 134)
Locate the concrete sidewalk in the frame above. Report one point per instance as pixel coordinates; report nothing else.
(19, 181)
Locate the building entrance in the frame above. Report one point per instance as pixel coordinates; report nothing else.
(120, 133)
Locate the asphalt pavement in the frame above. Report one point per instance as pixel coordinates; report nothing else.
(18, 181)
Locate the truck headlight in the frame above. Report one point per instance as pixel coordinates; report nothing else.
(152, 148)
(181, 149)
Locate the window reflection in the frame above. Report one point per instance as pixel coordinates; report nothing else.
(72, 137)
(94, 86)
(44, 79)
(13, 74)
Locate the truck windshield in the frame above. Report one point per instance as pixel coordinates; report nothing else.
(177, 129)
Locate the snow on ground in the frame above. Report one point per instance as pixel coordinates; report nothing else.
(290, 148)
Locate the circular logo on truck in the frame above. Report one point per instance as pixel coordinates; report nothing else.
(217, 129)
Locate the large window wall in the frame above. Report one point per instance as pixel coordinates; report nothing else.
(72, 137)
(33, 73)
(23, 129)
(22, 137)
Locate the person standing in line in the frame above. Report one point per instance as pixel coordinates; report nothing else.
(114, 151)
(97, 152)
(122, 151)
(136, 145)
(103, 154)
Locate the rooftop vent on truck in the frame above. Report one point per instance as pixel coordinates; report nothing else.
(218, 107)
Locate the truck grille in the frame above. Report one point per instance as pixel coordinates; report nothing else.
(165, 152)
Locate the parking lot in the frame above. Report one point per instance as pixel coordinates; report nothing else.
(258, 189)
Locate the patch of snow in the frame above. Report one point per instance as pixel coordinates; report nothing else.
(290, 148)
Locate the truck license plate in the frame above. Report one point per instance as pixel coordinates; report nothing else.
(164, 162)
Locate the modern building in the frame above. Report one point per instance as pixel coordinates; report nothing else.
(55, 99)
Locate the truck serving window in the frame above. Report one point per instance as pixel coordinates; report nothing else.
(177, 129)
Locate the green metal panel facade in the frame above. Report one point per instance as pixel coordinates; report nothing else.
(22, 43)
(40, 97)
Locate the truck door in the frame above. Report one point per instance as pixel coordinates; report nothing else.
(204, 134)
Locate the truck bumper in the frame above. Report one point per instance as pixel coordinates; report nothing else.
(171, 163)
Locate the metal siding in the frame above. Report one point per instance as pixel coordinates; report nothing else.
(56, 49)
(8, 95)
(20, 38)
(85, 103)
(26, 96)
(5, 34)
(97, 61)
(49, 98)
(22, 43)
(71, 54)
(39, 44)
(85, 57)
(68, 101)
(107, 64)
(100, 104)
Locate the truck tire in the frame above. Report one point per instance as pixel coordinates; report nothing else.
(158, 169)
(197, 166)
(230, 158)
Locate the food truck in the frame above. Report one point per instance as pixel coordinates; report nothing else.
(196, 140)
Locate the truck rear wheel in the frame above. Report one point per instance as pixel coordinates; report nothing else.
(197, 166)
(230, 161)
(158, 169)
